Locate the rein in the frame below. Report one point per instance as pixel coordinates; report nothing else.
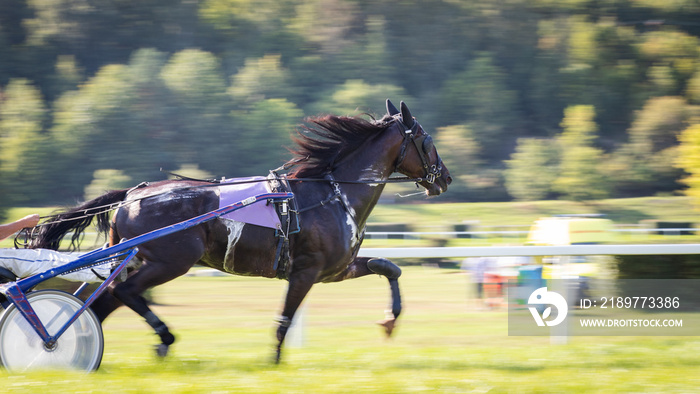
(111, 207)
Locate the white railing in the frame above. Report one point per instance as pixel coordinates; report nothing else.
(506, 251)
(419, 234)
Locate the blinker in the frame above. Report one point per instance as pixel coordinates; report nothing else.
(426, 143)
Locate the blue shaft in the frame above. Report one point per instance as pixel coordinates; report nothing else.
(98, 254)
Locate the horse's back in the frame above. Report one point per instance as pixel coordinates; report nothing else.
(160, 205)
(227, 245)
(165, 203)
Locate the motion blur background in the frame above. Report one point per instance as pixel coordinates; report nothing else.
(588, 102)
(527, 99)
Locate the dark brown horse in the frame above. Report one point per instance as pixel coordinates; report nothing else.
(340, 168)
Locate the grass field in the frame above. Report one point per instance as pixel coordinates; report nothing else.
(225, 343)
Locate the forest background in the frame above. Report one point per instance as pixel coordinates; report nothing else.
(526, 99)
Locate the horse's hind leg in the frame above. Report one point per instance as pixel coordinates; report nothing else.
(362, 266)
(129, 292)
(105, 304)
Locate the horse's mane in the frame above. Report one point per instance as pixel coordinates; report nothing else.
(325, 140)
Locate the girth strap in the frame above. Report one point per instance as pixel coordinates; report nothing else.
(282, 255)
(289, 224)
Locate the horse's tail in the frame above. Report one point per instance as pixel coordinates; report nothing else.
(77, 220)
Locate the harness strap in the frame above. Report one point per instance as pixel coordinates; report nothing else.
(318, 204)
(338, 195)
(277, 254)
(285, 210)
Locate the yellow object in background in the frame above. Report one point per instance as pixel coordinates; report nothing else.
(570, 231)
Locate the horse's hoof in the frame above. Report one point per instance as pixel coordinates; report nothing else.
(278, 356)
(162, 350)
(388, 325)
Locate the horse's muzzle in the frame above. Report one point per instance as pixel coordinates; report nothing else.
(439, 186)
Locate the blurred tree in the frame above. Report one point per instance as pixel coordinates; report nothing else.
(12, 15)
(260, 79)
(23, 145)
(473, 180)
(107, 31)
(240, 30)
(646, 161)
(67, 76)
(672, 57)
(200, 109)
(268, 126)
(104, 181)
(532, 169)
(543, 101)
(355, 97)
(371, 61)
(119, 119)
(428, 41)
(329, 25)
(12, 35)
(479, 98)
(693, 88)
(365, 58)
(658, 124)
(688, 160)
(504, 69)
(311, 79)
(509, 31)
(581, 176)
(601, 70)
(460, 153)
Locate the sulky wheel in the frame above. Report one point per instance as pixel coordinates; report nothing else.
(80, 346)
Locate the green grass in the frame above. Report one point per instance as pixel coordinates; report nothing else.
(225, 342)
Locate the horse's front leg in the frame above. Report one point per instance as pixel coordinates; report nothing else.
(362, 266)
(300, 282)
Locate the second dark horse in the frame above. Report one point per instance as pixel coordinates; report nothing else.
(343, 162)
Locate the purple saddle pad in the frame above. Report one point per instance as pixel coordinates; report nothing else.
(259, 214)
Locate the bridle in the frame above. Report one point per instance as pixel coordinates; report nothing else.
(424, 145)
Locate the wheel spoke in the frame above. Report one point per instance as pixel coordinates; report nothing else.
(79, 347)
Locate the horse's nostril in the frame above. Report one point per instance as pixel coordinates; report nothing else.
(449, 179)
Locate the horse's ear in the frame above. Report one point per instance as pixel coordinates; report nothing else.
(390, 109)
(406, 115)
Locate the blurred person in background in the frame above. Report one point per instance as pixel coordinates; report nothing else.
(478, 267)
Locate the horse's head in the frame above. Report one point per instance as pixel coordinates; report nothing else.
(418, 157)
